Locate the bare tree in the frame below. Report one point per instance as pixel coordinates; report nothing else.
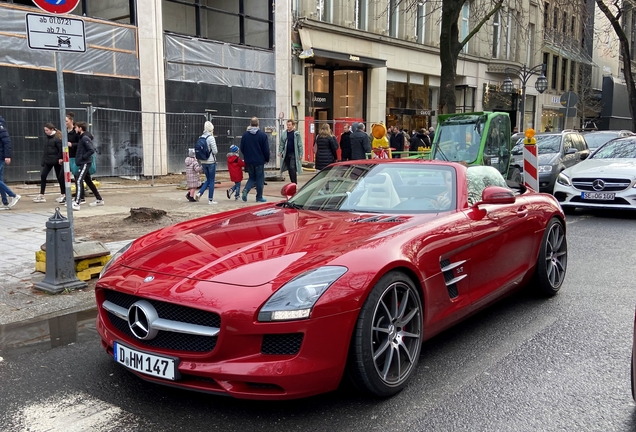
(615, 10)
(589, 101)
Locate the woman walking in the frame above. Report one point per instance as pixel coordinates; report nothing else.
(209, 165)
(52, 159)
(325, 147)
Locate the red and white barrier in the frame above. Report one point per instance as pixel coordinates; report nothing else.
(530, 161)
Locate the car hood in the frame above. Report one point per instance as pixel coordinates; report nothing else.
(547, 158)
(604, 167)
(253, 247)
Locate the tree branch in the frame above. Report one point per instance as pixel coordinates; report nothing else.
(478, 27)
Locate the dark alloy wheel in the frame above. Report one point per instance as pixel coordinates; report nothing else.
(388, 336)
(553, 258)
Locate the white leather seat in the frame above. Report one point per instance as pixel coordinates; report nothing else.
(380, 193)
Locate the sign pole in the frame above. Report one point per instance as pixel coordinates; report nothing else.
(67, 171)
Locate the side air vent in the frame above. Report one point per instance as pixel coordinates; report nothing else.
(448, 268)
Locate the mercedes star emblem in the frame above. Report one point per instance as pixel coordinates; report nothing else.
(141, 316)
(598, 185)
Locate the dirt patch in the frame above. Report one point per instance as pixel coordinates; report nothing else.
(111, 228)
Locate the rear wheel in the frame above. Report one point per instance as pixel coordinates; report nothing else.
(553, 258)
(388, 336)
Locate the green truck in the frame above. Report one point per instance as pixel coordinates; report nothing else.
(477, 138)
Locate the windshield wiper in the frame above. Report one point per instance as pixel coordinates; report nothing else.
(289, 204)
(439, 150)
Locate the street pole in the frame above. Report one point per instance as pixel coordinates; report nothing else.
(524, 75)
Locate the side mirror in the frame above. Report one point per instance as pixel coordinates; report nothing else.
(496, 195)
(289, 190)
(584, 155)
(571, 150)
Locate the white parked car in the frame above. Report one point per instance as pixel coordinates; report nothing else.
(607, 179)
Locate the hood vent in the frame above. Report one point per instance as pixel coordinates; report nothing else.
(266, 212)
(448, 269)
(379, 218)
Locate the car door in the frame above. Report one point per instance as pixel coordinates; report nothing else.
(582, 151)
(502, 243)
(569, 155)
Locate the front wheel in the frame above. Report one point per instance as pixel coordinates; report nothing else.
(553, 258)
(388, 336)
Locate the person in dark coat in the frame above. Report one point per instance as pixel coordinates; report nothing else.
(52, 159)
(5, 158)
(420, 139)
(325, 147)
(83, 159)
(431, 134)
(360, 143)
(345, 143)
(396, 139)
(73, 140)
(255, 149)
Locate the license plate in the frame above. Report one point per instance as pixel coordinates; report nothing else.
(605, 196)
(149, 364)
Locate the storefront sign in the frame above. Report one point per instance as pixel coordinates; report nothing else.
(354, 58)
(321, 100)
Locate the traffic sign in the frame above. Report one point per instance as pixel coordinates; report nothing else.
(57, 6)
(569, 99)
(567, 112)
(55, 33)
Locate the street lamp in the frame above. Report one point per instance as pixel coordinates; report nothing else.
(524, 74)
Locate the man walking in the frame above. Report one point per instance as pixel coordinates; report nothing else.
(290, 149)
(5, 158)
(345, 143)
(255, 149)
(360, 143)
(83, 159)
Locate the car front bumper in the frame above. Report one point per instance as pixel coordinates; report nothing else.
(569, 196)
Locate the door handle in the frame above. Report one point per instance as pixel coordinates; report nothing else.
(522, 212)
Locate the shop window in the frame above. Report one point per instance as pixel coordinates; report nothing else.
(220, 26)
(320, 81)
(348, 93)
(464, 98)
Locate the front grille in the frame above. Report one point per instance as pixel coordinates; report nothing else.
(167, 339)
(282, 344)
(611, 184)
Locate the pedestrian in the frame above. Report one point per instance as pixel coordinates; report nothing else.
(255, 149)
(193, 168)
(421, 139)
(515, 130)
(290, 149)
(345, 143)
(209, 164)
(325, 147)
(5, 158)
(397, 140)
(360, 143)
(72, 141)
(235, 166)
(431, 134)
(52, 159)
(83, 159)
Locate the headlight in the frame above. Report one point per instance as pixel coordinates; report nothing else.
(545, 168)
(115, 257)
(564, 180)
(297, 297)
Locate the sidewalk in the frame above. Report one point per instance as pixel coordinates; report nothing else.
(29, 315)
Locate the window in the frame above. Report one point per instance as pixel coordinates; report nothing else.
(555, 23)
(555, 71)
(565, 23)
(122, 11)
(324, 9)
(546, 19)
(572, 26)
(464, 29)
(496, 34)
(564, 72)
(530, 51)
(394, 17)
(420, 22)
(572, 76)
(244, 22)
(361, 9)
(508, 35)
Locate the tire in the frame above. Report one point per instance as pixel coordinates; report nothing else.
(553, 258)
(389, 328)
(515, 175)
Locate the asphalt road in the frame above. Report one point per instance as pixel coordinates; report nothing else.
(525, 364)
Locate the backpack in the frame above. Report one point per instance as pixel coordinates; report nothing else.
(201, 149)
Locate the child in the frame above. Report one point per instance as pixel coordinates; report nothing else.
(192, 175)
(235, 165)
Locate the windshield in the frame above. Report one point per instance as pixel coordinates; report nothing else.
(459, 142)
(595, 140)
(401, 188)
(548, 143)
(624, 148)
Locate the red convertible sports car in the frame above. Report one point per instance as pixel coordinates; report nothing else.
(349, 275)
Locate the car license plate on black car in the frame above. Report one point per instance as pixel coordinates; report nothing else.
(149, 364)
(602, 196)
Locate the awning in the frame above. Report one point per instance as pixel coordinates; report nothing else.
(351, 58)
(569, 54)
